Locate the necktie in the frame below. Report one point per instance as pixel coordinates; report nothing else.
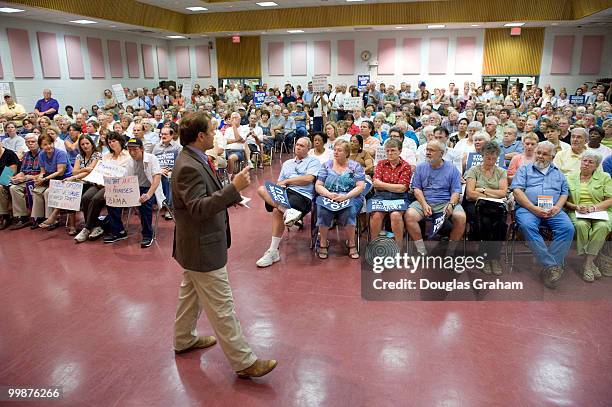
(211, 163)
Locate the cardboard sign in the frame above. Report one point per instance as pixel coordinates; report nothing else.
(362, 81)
(104, 169)
(386, 205)
(381, 154)
(319, 83)
(118, 91)
(476, 159)
(353, 103)
(122, 192)
(258, 98)
(545, 202)
(100, 103)
(5, 177)
(333, 205)
(577, 100)
(278, 194)
(187, 90)
(65, 195)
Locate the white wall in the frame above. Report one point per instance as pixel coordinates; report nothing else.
(572, 81)
(204, 82)
(368, 40)
(76, 92)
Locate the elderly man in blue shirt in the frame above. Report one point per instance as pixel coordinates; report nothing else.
(297, 176)
(47, 106)
(540, 190)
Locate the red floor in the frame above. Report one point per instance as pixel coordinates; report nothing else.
(97, 319)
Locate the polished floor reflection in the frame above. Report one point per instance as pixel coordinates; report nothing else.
(97, 320)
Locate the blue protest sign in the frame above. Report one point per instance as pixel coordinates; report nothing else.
(278, 194)
(437, 221)
(333, 205)
(166, 159)
(476, 159)
(258, 98)
(386, 205)
(577, 100)
(362, 81)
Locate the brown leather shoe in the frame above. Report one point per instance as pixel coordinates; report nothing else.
(260, 368)
(201, 343)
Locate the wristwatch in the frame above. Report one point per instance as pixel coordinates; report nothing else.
(452, 205)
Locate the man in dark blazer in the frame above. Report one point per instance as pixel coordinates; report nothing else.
(201, 240)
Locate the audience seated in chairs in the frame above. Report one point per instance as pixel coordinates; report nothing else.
(318, 150)
(236, 142)
(590, 190)
(146, 167)
(391, 182)
(488, 218)
(166, 151)
(437, 189)
(297, 176)
(568, 160)
(8, 158)
(530, 142)
(340, 180)
(540, 191)
(361, 156)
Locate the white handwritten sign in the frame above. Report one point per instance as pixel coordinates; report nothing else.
(319, 83)
(104, 169)
(187, 90)
(122, 192)
(65, 195)
(381, 154)
(353, 103)
(119, 94)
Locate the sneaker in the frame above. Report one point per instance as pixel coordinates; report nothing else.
(551, 276)
(269, 258)
(496, 268)
(115, 238)
(82, 236)
(168, 216)
(487, 268)
(96, 233)
(146, 242)
(291, 215)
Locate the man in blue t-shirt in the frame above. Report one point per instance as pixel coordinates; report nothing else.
(437, 189)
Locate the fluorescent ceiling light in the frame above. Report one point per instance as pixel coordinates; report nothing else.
(84, 22)
(10, 10)
(295, 31)
(398, 28)
(267, 4)
(353, 1)
(475, 25)
(514, 25)
(174, 36)
(436, 26)
(198, 8)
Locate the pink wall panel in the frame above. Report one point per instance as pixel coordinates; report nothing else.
(49, 57)
(1, 70)
(322, 58)
(386, 56)
(438, 55)
(131, 53)
(592, 48)
(96, 57)
(465, 54)
(147, 61)
(562, 53)
(202, 54)
(346, 57)
(114, 59)
(74, 56)
(276, 58)
(21, 55)
(412, 56)
(298, 58)
(162, 62)
(183, 69)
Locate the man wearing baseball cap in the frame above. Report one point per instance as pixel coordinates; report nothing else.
(11, 111)
(146, 167)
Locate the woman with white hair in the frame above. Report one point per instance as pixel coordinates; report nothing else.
(466, 145)
(479, 140)
(568, 160)
(590, 191)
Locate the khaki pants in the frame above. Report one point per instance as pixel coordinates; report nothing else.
(4, 200)
(19, 202)
(211, 292)
(40, 209)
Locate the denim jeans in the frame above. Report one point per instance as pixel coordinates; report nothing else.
(165, 183)
(146, 216)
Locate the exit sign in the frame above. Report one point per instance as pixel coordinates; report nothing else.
(236, 39)
(515, 31)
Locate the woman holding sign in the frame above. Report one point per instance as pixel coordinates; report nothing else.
(339, 185)
(391, 182)
(589, 204)
(85, 161)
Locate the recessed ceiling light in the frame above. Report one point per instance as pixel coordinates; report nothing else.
(175, 36)
(295, 31)
(267, 4)
(197, 8)
(398, 28)
(475, 25)
(353, 1)
(514, 25)
(10, 10)
(84, 22)
(436, 26)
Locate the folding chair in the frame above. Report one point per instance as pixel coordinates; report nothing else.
(157, 211)
(545, 231)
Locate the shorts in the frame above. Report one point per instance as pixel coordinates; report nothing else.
(297, 201)
(237, 153)
(435, 208)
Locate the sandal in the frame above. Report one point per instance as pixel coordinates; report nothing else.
(72, 231)
(323, 251)
(353, 253)
(49, 226)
